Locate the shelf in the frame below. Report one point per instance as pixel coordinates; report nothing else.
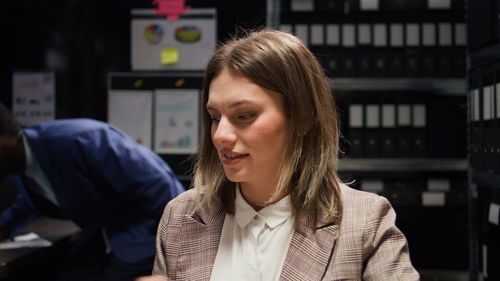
(485, 55)
(486, 179)
(402, 165)
(443, 275)
(443, 86)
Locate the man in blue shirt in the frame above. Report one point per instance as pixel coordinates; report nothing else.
(92, 173)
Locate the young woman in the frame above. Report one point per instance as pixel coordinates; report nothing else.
(267, 203)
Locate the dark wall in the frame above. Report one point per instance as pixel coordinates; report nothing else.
(83, 40)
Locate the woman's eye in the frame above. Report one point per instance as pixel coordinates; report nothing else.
(246, 117)
(215, 119)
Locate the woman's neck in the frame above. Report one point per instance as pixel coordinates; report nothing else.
(258, 196)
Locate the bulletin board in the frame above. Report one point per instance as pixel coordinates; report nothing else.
(159, 110)
(185, 44)
(33, 97)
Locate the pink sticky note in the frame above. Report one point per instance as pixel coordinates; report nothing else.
(170, 8)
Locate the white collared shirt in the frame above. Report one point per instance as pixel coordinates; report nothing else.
(35, 172)
(253, 244)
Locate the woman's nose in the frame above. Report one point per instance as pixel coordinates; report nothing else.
(223, 132)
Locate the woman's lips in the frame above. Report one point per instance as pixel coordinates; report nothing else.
(233, 158)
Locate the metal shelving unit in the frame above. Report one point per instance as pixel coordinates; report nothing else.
(486, 179)
(485, 55)
(439, 86)
(410, 172)
(403, 165)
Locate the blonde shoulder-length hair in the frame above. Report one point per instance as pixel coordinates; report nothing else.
(281, 63)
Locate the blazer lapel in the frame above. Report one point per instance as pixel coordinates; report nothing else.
(310, 252)
(202, 232)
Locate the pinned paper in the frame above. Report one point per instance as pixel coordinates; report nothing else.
(169, 56)
(29, 240)
(172, 9)
(180, 82)
(138, 83)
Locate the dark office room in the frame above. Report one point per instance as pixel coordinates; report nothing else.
(166, 140)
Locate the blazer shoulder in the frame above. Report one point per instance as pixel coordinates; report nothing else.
(184, 203)
(354, 197)
(362, 208)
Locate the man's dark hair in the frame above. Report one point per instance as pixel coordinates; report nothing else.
(9, 126)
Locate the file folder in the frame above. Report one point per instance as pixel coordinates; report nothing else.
(419, 122)
(388, 132)
(439, 4)
(476, 125)
(445, 63)
(372, 137)
(301, 5)
(412, 50)
(395, 57)
(380, 43)
(404, 137)
(488, 111)
(411, 62)
(333, 35)
(348, 55)
(459, 62)
(496, 136)
(459, 55)
(317, 35)
(445, 55)
(302, 32)
(429, 34)
(317, 42)
(380, 35)
(364, 50)
(286, 28)
(380, 62)
(333, 63)
(347, 58)
(369, 5)
(333, 50)
(356, 130)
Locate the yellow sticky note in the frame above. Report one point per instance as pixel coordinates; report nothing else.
(169, 56)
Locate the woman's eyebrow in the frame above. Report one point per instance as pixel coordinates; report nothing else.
(237, 103)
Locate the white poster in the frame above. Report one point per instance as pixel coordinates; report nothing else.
(184, 44)
(131, 111)
(176, 121)
(33, 97)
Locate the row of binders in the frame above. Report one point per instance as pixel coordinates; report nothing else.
(397, 34)
(413, 49)
(387, 130)
(340, 6)
(489, 231)
(430, 192)
(484, 97)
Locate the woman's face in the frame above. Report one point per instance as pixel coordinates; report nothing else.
(249, 129)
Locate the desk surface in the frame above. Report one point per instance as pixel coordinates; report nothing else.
(53, 230)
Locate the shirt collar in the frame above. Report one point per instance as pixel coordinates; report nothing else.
(274, 214)
(31, 164)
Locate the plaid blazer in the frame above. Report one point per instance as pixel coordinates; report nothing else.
(366, 245)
